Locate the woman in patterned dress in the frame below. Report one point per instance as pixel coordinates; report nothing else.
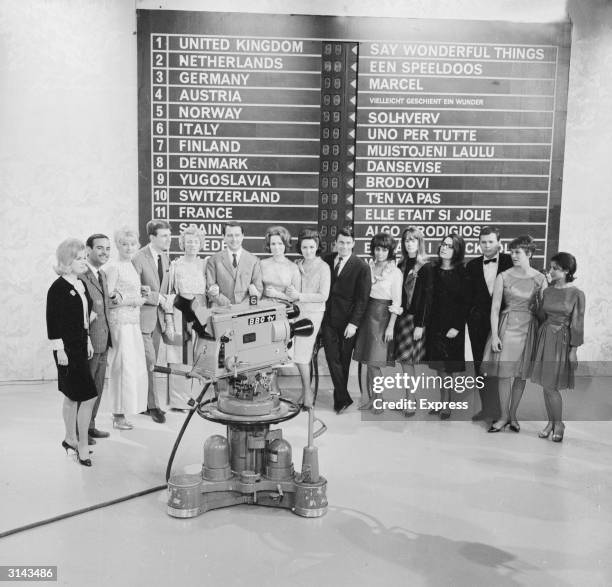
(560, 334)
(416, 294)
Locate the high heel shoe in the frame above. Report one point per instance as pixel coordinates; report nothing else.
(445, 415)
(558, 435)
(545, 433)
(494, 428)
(84, 462)
(514, 426)
(68, 447)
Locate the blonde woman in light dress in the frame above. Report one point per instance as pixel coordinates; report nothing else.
(374, 345)
(188, 280)
(128, 384)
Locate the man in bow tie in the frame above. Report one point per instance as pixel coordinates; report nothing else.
(152, 264)
(345, 307)
(481, 273)
(98, 251)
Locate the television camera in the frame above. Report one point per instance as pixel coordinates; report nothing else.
(238, 351)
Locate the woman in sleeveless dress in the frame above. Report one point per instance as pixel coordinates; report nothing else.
(509, 350)
(128, 384)
(560, 334)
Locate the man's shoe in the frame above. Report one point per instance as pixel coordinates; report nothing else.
(95, 433)
(157, 415)
(478, 417)
(342, 407)
(90, 441)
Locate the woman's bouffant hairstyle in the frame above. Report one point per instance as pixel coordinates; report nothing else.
(308, 234)
(417, 234)
(458, 248)
(125, 232)
(524, 242)
(279, 231)
(386, 241)
(66, 253)
(568, 263)
(190, 231)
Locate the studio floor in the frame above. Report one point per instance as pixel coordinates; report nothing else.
(411, 502)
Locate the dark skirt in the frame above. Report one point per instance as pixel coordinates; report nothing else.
(445, 354)
(408, 350)
(370, 346)
(74, 380)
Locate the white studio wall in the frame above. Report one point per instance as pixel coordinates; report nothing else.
(68, 157)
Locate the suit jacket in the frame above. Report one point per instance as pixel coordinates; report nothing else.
(233, 282)
(146, 266)
(65, 313)
(99, 331)
(479, 296)
(349, 292)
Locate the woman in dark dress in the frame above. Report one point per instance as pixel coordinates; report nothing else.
(560, 334)
(445, 332)
(68, 320)
(417, 284)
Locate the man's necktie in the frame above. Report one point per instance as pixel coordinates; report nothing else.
(337, 267)
(100, 281)
(160, 269)
(235, 261)
(487, 261)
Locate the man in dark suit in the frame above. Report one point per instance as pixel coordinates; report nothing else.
(482, 272)
(152, 264)
(348, 297)
(98, 251)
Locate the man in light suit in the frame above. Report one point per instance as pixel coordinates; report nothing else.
(152, 264)
(481, 273)
(234, 274)
(98, 251)
(348, 298)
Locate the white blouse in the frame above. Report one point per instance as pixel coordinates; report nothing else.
(387, 286)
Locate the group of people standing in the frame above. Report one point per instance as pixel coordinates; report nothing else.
(378, 313)
(522, 325)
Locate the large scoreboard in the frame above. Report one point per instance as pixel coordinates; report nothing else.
(323, 122)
